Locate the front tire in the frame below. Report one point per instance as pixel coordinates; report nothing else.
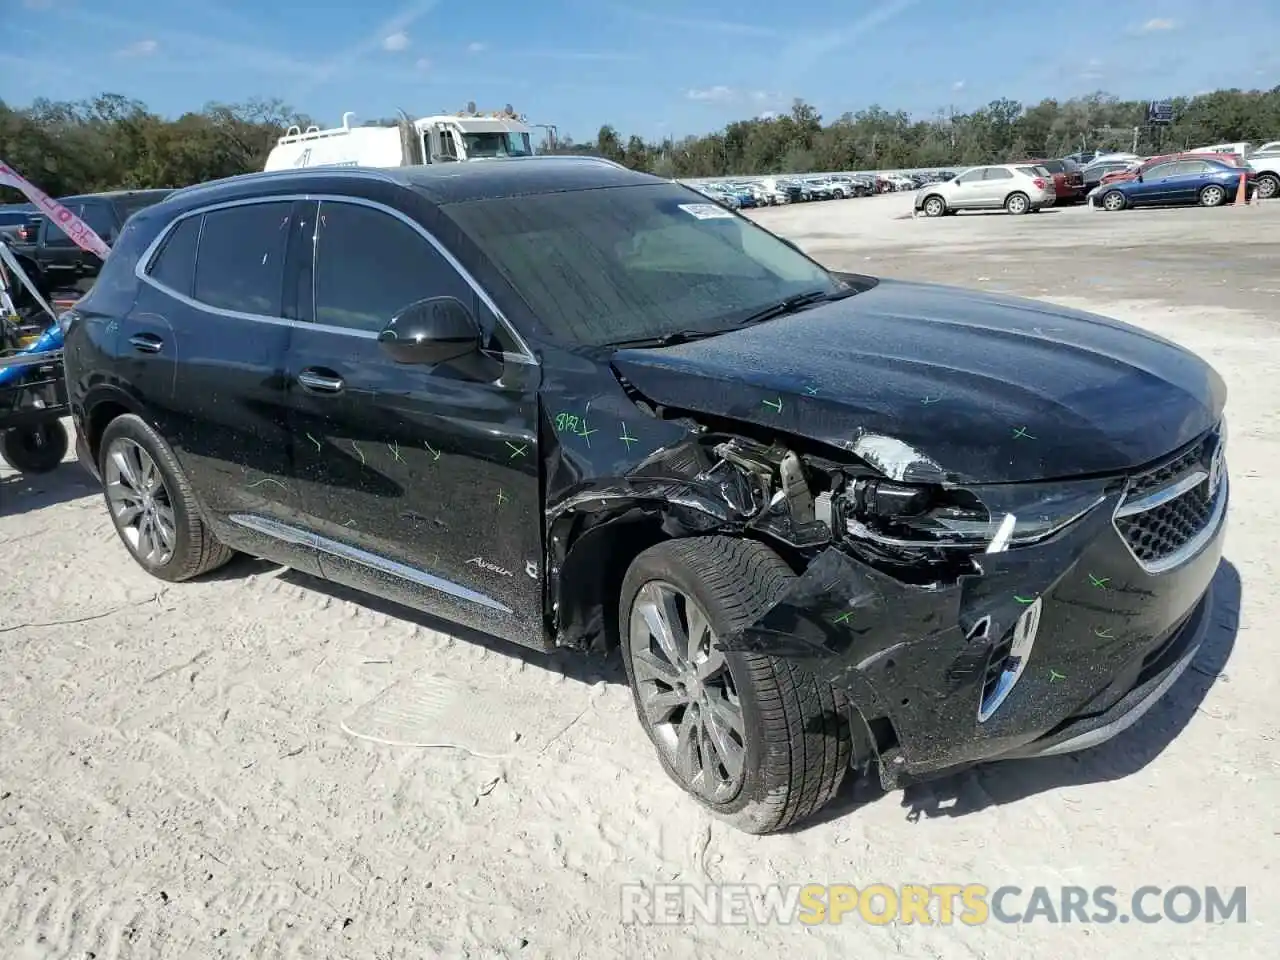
(151, 503)
(34, 449)
(934, 206)
(756, 739)
(1114, 201)
(1017, 203)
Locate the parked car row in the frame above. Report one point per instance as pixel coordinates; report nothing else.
(775, 190)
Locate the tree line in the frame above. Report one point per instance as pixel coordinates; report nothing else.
(113, 142)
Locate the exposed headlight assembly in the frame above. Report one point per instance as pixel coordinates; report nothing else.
(991, 518)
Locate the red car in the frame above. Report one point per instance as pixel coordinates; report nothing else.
(1132, 173)
(1068, 179)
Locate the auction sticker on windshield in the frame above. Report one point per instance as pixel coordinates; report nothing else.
(707, 211)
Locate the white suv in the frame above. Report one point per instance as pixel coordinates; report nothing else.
(1015, 187)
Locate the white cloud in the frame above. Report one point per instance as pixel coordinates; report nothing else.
(1092, 70)
(958, 86)
(476, 47)
(396, 42)
(422, 63)
(143, 48)
(717, 94)
(768, 115)
(344, 60)
(1157, 25)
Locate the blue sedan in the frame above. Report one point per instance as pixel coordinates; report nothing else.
(1209, 183)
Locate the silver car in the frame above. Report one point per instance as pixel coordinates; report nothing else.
(1015, 187)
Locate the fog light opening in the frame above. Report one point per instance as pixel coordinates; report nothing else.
(1008, 660)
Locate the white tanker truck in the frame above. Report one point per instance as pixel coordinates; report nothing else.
(444, 138)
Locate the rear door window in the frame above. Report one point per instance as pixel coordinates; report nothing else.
(99, 218)
(54, 235)
(240, 265)
(998, 173)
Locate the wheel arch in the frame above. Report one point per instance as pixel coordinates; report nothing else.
(102, 405)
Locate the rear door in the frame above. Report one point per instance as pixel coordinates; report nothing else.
(421, 484)
(997, 184)
(203, 351)
(59, 258)
(1186, 179)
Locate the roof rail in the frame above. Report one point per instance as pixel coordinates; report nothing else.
(366, 173)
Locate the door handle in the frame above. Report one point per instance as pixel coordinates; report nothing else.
(320, 381)
(146, 342)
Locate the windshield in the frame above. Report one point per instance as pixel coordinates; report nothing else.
(632, 263)
(497, 145)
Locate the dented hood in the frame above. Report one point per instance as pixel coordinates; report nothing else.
(990, 388)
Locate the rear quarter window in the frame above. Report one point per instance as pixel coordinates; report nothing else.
(174, 265)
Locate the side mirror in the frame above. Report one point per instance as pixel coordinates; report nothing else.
(1140, 178)
(431, 331)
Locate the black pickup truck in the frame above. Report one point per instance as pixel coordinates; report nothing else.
(53, 261)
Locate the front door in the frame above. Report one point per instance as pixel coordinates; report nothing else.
(421, 484)
(204, 350)
(968, 193)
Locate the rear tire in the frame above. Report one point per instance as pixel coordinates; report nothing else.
(151, 503)
(786, 741)
(1017, 203)
(1212, 196)
(1268, 186)
(35, 449)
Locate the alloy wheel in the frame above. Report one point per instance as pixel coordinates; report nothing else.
(686, 692)
(1113, 202)
(1212, 196)
(1017, 204)
(140, 503)
(1267, 188)
(933, 207)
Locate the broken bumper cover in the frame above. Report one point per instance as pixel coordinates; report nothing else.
(914, 660)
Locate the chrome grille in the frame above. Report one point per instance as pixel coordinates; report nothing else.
(1169, 509)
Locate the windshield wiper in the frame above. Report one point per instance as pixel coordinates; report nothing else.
(793, 305)
(667, 339)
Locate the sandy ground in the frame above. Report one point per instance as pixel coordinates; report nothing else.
(177, 778)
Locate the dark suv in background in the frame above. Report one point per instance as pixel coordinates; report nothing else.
(53, 261)
(834, 523)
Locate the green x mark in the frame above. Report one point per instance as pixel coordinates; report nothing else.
(1020, 433)
(502, 498)
(844, 617)
(928, 400)
(435, 454)
(517, 449)
(315, 441)
(1027, 600)
(627, 438)
(1103, 634)
(395, 451)
(1055, 676)
(356, 447)
(1099, 582)
(811, 391)
(775, 405)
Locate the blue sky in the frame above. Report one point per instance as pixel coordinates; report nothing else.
(653, 67)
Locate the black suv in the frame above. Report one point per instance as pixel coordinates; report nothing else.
(834, 523)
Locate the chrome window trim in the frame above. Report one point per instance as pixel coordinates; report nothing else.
(306, 538)
(142, 267)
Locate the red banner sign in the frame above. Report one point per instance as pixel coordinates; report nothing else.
(75, 228)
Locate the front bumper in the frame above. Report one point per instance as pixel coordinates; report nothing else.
(913, 660)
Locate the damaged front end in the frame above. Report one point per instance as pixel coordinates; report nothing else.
(962, 621)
